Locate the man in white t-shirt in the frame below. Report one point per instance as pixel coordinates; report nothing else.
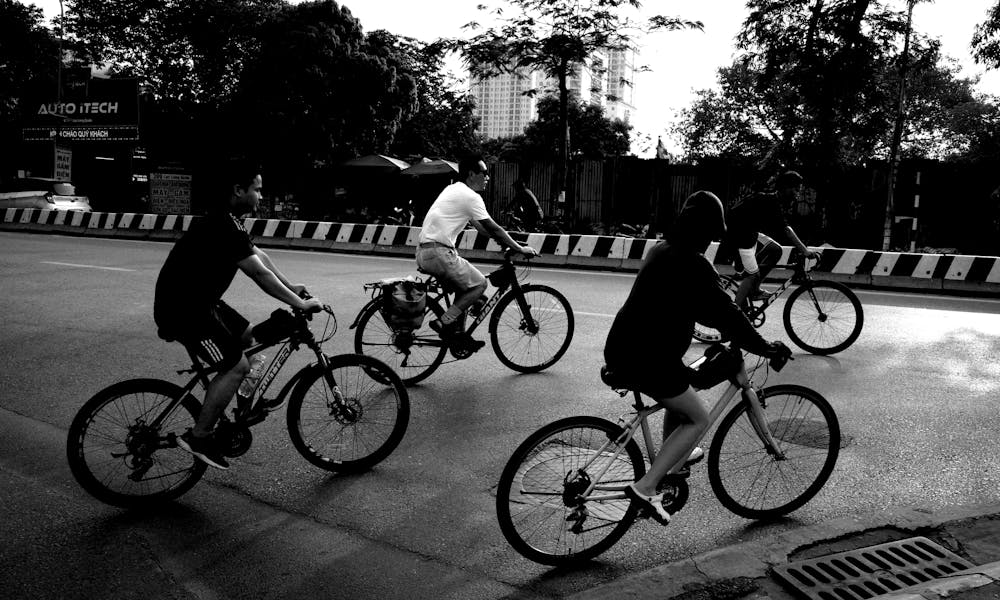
(458, 205)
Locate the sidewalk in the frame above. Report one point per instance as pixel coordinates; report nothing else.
(745, 571)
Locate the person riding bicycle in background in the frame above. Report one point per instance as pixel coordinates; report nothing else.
(458, 205)
(526, 207)
(652, 331)
(749, 223)
(188, 305)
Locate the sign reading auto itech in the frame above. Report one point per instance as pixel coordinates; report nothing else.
(109, 113)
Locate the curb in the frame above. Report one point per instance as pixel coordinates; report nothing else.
(937, 272)
(754, 560)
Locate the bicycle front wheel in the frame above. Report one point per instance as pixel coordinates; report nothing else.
(414, 355)
(750, 481)
(349, 417)
(120, 457)
(706, 334)
(823, 317)
(538, 504)
(534, 340)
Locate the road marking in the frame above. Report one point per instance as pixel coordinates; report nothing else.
(62, 264)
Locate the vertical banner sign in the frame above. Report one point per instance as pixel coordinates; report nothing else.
(170, 193)
(63, 169)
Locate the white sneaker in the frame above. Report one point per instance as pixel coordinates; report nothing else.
(696, 455)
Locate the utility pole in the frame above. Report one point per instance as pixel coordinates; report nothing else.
(897, 131)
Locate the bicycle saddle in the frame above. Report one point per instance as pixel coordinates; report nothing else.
(614, 380)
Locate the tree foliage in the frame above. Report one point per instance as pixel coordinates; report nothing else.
(443, 124)
(556, 37)
(30, 60)
(186, 51)
(986, 39)
(593, 134)
(317, 90)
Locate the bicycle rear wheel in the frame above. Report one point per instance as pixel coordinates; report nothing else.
(414, 355)
(355, 425)
(748, 480)
(120, 458)
(539, 485)
(823, 317)
(536, 341)
(706, 334)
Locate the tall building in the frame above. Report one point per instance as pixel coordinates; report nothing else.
(505, 111)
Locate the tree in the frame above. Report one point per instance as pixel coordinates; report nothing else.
(594, 135)
(986, 39)
(317, 92)
(556, 37)
(183, 51)
(443, 124)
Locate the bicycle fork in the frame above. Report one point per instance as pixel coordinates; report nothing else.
(755, 414)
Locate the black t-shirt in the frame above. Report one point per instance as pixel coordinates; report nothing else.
(760, 213)
(199, 270)
(675, 288)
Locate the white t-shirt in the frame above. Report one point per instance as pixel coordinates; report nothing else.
(454, 208)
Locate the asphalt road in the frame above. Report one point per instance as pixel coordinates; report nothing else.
(916, 398)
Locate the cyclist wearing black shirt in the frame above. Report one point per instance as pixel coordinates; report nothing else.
(749, 223)
(188, 306)
(675, 287)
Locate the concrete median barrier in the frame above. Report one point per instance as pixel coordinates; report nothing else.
(914, 271)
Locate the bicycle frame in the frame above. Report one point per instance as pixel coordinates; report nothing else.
(249, 414)
(741, 382)
(800, 275)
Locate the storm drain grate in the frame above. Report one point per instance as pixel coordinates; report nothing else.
(871, 571)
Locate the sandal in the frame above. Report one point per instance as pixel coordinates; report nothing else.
(651, 504)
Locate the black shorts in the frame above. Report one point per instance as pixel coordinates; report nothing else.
(664, 379)
(217, 337)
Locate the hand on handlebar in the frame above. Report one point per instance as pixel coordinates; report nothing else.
(311, 305)
(527, 251)
(778, 354)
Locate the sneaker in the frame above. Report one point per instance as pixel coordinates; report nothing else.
(760, 296)
(696, 455)
(204, 449)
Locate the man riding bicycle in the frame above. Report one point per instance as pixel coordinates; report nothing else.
(188, 306)
(458, 205)
(652, 332)
(757, 253)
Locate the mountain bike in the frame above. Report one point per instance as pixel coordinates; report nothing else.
(530, 328)
(821, 317)
(345, 414)
(561, 496)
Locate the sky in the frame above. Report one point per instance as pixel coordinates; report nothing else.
(681, 62)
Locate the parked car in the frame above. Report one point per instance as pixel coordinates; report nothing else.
(41, 192)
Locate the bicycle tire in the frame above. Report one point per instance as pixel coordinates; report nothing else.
(107, 442)
(741, 470)
(348, 443)
(413, 355)
(706, 334)
(838, 321)
(518, 348)
(539, 531)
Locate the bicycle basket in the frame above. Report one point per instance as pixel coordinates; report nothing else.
(403, 303)
(278, 326)
(720, 364)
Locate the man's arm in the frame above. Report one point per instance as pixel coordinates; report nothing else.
(794, 239)
(264, 258)
(269, 281)
(490, 228)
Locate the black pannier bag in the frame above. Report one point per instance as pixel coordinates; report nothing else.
(403, 303)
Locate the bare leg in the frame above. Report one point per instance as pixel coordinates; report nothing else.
(462, 302)
(748, 286)
(688, 422)
(220, 392)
